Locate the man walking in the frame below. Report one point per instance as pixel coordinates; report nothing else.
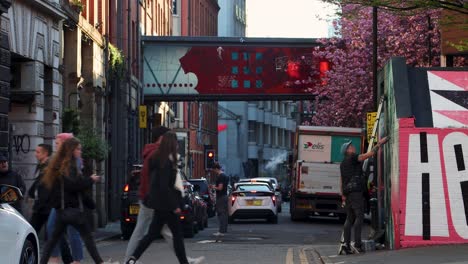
(221, 199)
(12, 178)
(353, 187)
(145, 215)
(37, 192)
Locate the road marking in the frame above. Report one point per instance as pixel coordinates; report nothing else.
(290, 256)
(302, 256)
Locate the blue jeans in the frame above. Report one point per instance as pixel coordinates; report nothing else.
(73, 238)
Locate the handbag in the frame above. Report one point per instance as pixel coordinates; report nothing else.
(70, 214)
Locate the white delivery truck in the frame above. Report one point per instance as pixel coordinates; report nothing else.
(316, 179)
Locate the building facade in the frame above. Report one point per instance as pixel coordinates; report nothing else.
(34, 30)
(257, 138)
(232, 18)
(195, 122)
(4, 78)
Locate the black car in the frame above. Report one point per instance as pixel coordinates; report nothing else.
(130, 206)
(202, 187)
(189, 215)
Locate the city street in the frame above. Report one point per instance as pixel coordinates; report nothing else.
(247, 242)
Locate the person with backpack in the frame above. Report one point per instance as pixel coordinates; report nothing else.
(353, 186)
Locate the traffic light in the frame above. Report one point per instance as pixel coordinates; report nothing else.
(210, 158)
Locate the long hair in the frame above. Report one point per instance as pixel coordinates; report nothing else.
(167, 150)
(61, 164)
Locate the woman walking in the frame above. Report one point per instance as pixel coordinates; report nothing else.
(73, 252)
(66, 184)
(164, 198)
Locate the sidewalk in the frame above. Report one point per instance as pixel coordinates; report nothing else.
(110, 231)
(453, 254)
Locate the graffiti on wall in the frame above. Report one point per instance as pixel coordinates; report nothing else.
(449, 98)
(433, 186)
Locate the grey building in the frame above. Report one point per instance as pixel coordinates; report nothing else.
(232, 18)
(256, 138)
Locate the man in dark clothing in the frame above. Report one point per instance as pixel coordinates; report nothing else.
(12, 178)
(353, 187)
(221, 199)
(38, 192)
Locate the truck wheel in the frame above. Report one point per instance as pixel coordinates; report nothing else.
(297, 217)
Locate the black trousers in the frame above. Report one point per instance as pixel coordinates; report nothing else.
(355, 217)
(161, 218)
(38, 220)
(83, 228)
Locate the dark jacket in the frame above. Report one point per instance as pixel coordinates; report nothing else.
(74, 184)
(163, 196)
(14, 179)
(41, 203)
(351, 174)
(148, 151)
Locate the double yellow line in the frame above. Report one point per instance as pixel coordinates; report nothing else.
(302, 256)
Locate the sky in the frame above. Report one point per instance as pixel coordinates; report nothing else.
(288, 18)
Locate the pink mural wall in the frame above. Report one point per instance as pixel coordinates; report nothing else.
(431, 206)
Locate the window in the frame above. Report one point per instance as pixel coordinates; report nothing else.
(259, 133)
(266, 134)
(174, 7)
(252, 136)
(281, 138)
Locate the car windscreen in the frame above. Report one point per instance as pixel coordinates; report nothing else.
(203, 186)
(252, 187)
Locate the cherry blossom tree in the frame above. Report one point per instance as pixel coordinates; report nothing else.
(345, 94)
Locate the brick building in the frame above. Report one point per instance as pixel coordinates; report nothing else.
(196, 123)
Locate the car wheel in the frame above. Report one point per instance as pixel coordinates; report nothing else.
(201, 225)
(127, 230)
(231, 220)
(280, 209)
(274, 219)
(195, 228)
(189, 232)
(29, 253)
(206, 222)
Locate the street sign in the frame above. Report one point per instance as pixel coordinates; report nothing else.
(371, 117)
(142, 116)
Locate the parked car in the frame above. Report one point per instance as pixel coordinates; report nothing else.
(130, 206)
(252, 200)
(18, 240)
(190, 215)
(203, 188)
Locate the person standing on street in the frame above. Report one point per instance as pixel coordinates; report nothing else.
(221, 187)
(353, 186)
(37, 192)
(164, 198)
(145, 215)
(9, 177)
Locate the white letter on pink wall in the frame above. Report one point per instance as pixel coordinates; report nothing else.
(425, 200)
(455, 154)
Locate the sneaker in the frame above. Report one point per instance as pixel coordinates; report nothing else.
(347, 250)
(132, 260)
(196, 260)
(218, 234)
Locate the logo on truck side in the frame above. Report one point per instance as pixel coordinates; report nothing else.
(310, 145)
